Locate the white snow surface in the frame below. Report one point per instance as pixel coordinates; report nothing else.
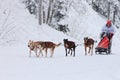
(17, 26)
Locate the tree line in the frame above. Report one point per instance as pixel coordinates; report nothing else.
(108, 8)
(50, 12)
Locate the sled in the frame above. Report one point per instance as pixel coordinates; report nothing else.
(103, 46)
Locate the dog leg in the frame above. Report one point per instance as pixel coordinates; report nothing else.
(66, 51)
(74, 51)
(40, 52)
(46, 52)
(89, 49)
(71, 51)
(36, 52)
(92, 50)
(85, 51)
(30, 53)
(52, 51)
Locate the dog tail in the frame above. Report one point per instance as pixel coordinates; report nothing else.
(57, 45)
(95, 41)
(76, 45)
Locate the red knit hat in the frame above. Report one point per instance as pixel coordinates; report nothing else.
(108, 22)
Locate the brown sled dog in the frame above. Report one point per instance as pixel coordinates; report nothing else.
(34, 46)
(88, 43)
(70, 45)
(49, 45)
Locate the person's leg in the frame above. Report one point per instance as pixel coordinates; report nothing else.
(109, 47)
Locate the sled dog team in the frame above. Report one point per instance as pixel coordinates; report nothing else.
(38, 46)
(104, 45)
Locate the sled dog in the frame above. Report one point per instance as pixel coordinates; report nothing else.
(88, 43)
(35, 46)
(45, 45)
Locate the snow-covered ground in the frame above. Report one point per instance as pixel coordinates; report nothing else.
(15, 64)
(17, 26)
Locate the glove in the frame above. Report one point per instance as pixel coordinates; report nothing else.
(110, 36)
(102, 34)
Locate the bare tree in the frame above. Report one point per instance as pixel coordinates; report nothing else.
(43, 15)
(52, 11)
(49, 10)
(109, 10)
(40, 12)
(114, 14)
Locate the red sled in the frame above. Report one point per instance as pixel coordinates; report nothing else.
(104, 46)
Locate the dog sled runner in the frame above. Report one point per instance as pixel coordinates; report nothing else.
(104, 46)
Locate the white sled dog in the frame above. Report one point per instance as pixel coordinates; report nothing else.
(35, 46)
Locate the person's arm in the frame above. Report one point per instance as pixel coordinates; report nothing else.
(111, 32)
(110, 36)
(102, 32)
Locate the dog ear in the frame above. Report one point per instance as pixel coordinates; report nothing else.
(65, 39)
(86, 37)
(29, 40)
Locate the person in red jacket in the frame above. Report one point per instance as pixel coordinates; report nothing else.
(108, 30)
